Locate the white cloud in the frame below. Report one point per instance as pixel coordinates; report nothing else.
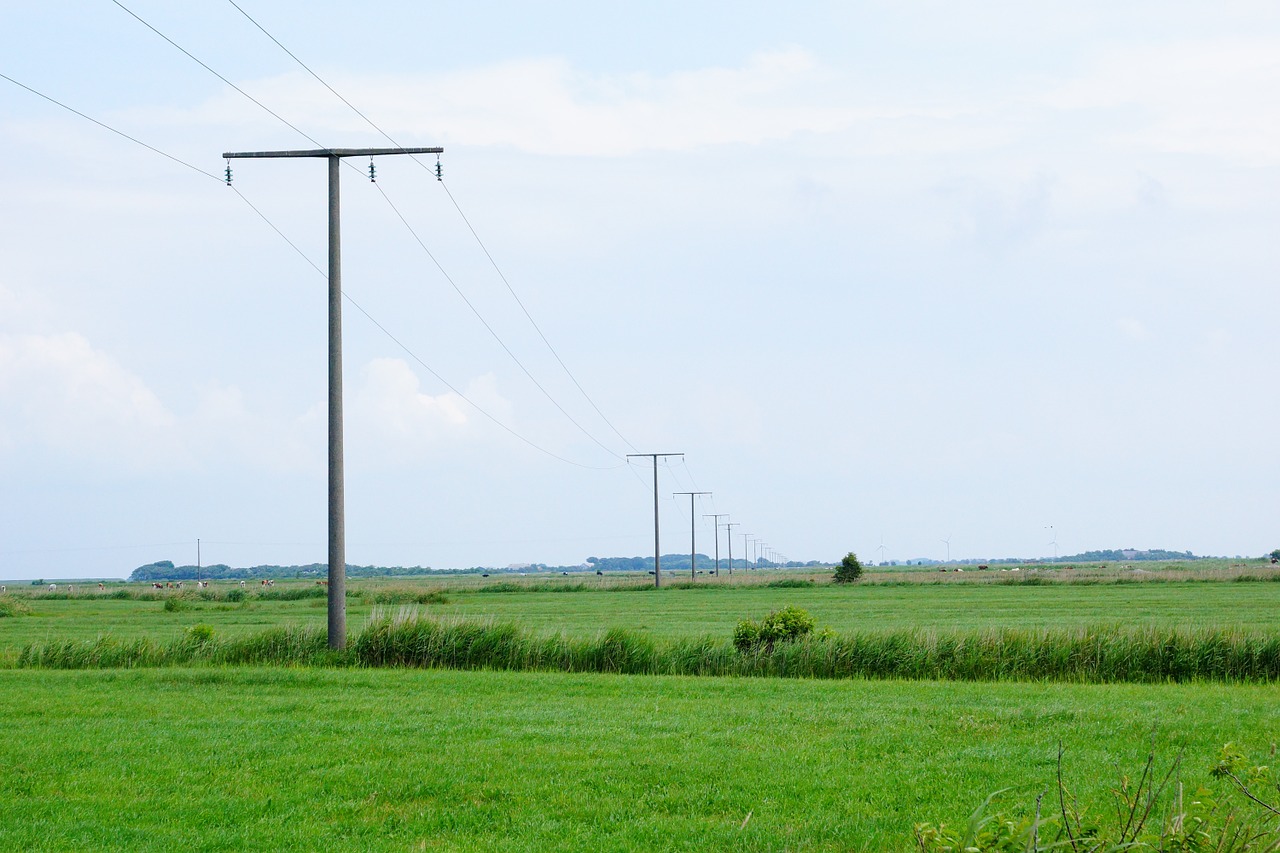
(393, 421)
(58, 392)
(1202, 97)
(546, 106)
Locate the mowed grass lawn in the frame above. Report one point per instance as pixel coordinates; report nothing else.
(309, 759)
(711, 610)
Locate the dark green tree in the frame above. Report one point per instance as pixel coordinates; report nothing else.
(849, 570)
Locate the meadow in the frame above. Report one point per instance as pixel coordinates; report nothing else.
(337, 753)
(314, 758)
(585, 605)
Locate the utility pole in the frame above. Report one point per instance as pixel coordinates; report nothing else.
(728, 537)
(693, 548)
(746, 537)
(657, 547)
(337, 501)
(716, 517)
(197, 562)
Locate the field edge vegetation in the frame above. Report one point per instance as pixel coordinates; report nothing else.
(408, 638)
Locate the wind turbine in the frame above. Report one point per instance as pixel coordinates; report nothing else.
(881, 549)
(948, 541)
(1053, 542)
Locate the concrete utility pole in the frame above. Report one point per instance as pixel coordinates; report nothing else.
(746, 564)
(693, 535)
(657, 547)
(728, 537)
(337, 512)
(717, 517)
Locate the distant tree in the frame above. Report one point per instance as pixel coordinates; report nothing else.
(1275, 555)
(849, 570)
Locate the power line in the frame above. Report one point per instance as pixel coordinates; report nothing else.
(529, 316)
(465, 220)
(488, 327)
(119, 133)
(314, 266)
(294, 127)
(192, 57)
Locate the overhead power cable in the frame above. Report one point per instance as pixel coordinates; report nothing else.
(316, 267)
(493, 262)
(119, 133)
(315, 142)
(490, 329)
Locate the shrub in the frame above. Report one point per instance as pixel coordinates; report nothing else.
(174, 604)
(849, 570)
(234, 595)
(790, 583)
(789, 623)
(199, 634)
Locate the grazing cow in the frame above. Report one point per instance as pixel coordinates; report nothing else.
(101, 587)
(322, 583)
(598, 572)
(241, 583)
(983, 568)
(3, 588)
(1275, 560)
(53, 587)
(157, 585)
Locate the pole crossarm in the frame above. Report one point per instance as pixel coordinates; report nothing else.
(330, 152)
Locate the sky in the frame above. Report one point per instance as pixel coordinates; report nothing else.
(909, 279)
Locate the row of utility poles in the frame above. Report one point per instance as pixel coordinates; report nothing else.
(337, 583)
(763, 554)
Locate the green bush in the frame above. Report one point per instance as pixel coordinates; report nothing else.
(173, 604)
(236, 594)
(789, 623)
(746, 636)
(849, 570)
(199, 634)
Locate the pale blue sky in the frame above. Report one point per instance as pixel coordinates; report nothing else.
(910, 271)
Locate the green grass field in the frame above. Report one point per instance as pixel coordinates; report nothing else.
(678, 612)
(261, 758)
(252, 757)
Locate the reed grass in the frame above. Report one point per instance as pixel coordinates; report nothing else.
(408, 638)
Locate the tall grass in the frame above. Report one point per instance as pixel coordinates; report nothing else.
(1094, 655)
(407, 638)
(296, 646)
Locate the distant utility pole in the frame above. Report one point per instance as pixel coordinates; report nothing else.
(197, 561)
(716, 517)
(337, 520)
(657, 547)
(693, 547)
(746, 563)
(728, 537)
